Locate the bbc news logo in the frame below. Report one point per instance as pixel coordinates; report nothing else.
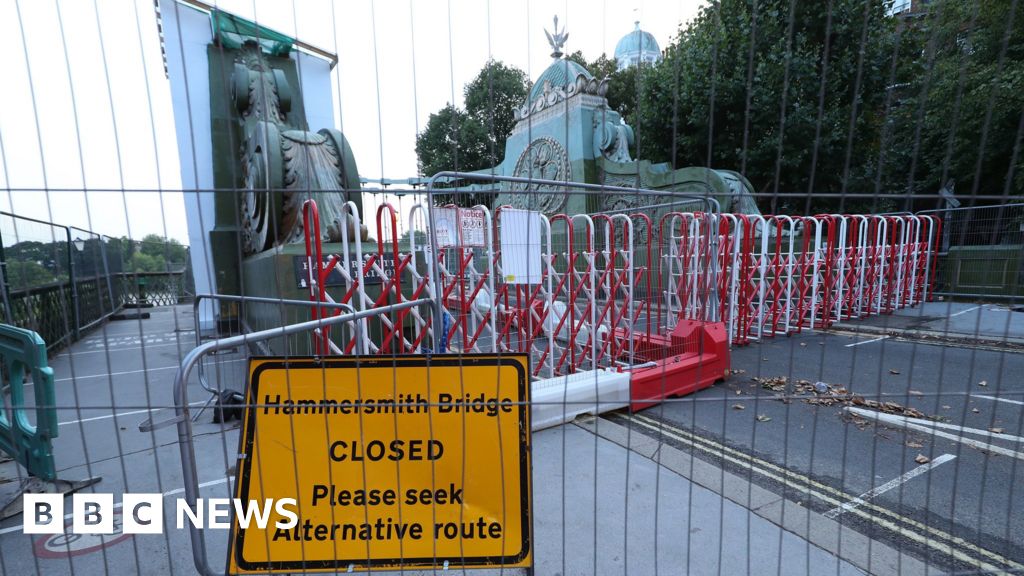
(144, 513)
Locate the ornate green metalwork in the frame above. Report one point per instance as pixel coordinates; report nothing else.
(232, 32)
(263, 147)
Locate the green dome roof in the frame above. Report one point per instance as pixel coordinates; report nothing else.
(636, 41)
(561, 73)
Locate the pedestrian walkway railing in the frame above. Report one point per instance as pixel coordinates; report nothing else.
(59, 280)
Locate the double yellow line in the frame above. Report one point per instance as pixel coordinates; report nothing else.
(908, 528)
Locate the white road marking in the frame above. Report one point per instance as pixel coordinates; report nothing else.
(922, 533)
(115, 348)
(119, 414)
(70, 378)
(998, 399)
(866, 341)
(943, 425)
(863, 498)
(966, 430)
(175, 367)
(903, 422)
(964, 311)
(18, 527)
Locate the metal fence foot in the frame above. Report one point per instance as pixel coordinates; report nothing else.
(35, 485)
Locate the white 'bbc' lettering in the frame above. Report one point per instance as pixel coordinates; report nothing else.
(144, 513)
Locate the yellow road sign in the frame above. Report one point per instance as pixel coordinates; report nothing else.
(391, 461)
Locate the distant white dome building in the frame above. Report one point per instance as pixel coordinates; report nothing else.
(636, 47)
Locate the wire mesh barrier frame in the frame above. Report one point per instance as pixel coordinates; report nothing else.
(215, 393)
(982, 251)
(851, 450)
(183, 419)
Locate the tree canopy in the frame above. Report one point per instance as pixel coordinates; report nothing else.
(154, 253)
(805, 98)
(622, 84)
(963, 113)
(491, 99)
(809, 100)
(474, 138)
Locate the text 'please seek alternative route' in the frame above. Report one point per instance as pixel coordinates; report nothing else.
(408, 461)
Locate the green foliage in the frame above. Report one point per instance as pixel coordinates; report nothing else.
(168, 251)
(23, 275)
(142, 262)
(963, 111)
(803, 97)
(153, 253)
(474, 139)
(491, 99)
(899, 105)
(753, 105)
(31, 264)
(452, 140)
(622, 85)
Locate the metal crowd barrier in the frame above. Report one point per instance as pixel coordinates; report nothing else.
(23, 353)
(183, 419)
(200, 371)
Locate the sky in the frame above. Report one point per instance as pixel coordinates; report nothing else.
(85, 104)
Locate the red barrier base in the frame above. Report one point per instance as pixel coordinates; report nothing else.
(693, 357)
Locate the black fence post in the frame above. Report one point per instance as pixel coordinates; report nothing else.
(72, 277)
(106, 273)
(6, 288)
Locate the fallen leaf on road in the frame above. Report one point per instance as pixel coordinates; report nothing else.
(763, 418)
(983, 383)
(913, 444)
(975, 410)
(776, 383)
(922, 459)
(996, 430)
(738, 407)
(861, 423)
(893, 371)
(803, 343)
(738, 392)
(888, 407)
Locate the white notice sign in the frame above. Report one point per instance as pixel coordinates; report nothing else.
(459, 227)
(520, 246)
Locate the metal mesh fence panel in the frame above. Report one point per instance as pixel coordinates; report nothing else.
(739, 295)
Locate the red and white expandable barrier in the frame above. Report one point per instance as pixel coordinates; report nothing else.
(612, 294)
(780, 274)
